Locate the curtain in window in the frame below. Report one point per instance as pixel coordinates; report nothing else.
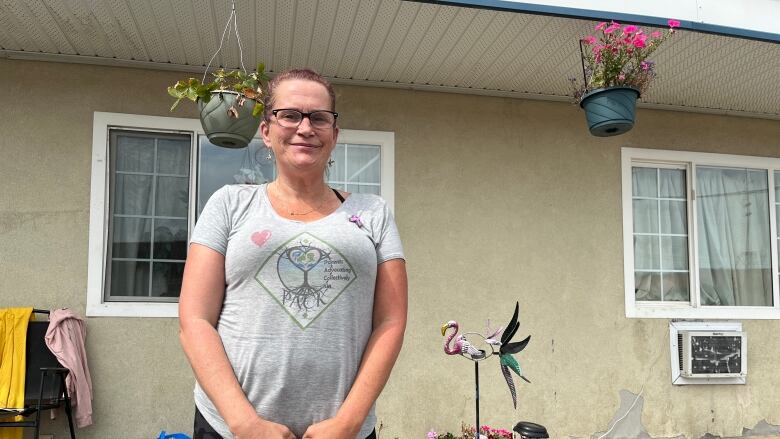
(734, 237)
(660, 234)
(149, 199)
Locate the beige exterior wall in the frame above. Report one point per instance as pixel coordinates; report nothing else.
(497, 200)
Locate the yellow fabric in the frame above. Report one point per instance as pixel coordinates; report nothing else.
(13, 340)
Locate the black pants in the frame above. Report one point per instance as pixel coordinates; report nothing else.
(203, 429)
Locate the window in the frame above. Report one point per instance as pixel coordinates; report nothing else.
(147, 221)
(356, 166)
(700, 235)
(151, 177)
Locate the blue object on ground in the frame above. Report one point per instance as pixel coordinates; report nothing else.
(173, 436)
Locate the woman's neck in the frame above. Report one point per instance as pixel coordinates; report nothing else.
(300, 188)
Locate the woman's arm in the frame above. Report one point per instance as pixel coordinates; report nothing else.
(200, 304)
(389, 323)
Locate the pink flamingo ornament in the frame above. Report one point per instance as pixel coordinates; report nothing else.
(461, 345)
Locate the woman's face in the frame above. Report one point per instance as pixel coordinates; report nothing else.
(301, 149)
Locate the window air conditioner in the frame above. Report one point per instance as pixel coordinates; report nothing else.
(713, 354)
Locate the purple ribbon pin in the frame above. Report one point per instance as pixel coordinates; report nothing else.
(356, 219)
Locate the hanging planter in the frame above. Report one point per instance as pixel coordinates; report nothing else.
(231, 104)
(610, 111)
(615, 72)
(227, 118)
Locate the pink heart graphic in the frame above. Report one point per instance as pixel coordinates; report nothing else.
(260, 238)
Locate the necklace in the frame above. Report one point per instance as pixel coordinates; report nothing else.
(292, 213)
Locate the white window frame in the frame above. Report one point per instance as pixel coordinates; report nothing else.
(99, 215)
(667, 158)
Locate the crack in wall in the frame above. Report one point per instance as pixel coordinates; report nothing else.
(627, 423)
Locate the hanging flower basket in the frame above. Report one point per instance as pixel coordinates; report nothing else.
(615, 72)
(610, 111)
(227, 119)
(231, 104)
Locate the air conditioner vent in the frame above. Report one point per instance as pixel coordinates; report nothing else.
(679, 351)
(708, 352)
(713, 354)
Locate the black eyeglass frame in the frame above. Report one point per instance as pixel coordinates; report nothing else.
(305, 115)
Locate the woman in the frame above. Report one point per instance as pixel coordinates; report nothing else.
(293, 302)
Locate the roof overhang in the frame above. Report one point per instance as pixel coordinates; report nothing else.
(488, 47)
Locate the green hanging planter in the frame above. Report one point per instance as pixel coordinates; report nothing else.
(610, 111)
(225, 127)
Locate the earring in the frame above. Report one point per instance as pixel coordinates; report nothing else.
(269, 157)
(331, 162)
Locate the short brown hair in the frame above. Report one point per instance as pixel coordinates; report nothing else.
(303, 74)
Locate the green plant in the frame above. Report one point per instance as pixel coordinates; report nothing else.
(247, 85)
(618, 57)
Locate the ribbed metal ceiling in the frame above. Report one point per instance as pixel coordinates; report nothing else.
(386, 43)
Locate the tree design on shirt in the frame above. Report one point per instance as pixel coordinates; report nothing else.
(304, 295)
(305, 275)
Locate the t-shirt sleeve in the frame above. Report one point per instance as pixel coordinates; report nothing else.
(213, 225)
(387, 239)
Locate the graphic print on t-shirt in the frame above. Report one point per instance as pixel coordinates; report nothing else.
(305, 275)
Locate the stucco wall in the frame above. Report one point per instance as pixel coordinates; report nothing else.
(497, 200)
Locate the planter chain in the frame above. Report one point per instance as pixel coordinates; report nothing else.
(232, 17)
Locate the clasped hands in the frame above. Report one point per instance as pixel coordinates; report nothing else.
(333, 428)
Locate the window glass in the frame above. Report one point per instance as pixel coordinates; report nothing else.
(220, 166)
(133, 194)
(130, 237)
(166, 278)
(173, 157)
(149, 207)
(356, 168)
(777, 216)
(363, 164)
(133, 153)
(660, 234)
(735, 263)
(129, 278)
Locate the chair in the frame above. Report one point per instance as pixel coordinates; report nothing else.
(44, 383)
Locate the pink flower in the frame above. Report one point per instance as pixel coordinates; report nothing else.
(590, 39)
(639, 41)
(656, 34)
(432, 434)
(673, 23)
(612, 28)
(601, 25)
(621, 77)
(630, 29)
(644, 65)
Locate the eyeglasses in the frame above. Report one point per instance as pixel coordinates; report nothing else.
(319, 119)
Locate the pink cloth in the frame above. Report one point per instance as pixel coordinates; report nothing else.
(65, 338)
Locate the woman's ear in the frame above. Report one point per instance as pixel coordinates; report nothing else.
(264, 131)
(335, 134)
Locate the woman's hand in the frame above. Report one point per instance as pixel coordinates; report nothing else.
(333, 428)
(257, 428)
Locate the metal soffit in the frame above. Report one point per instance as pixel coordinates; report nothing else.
(387, 43)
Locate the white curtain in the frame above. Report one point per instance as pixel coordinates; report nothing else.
(734, 237)
(138, 162)
(660, 234)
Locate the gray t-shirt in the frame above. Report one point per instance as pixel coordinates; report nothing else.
(299, 299)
